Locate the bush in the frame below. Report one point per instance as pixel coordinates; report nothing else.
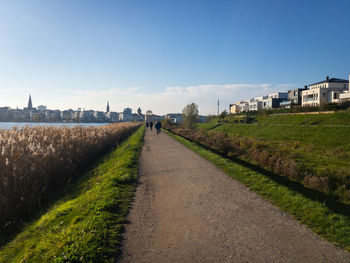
(166, 123)
(345, 105)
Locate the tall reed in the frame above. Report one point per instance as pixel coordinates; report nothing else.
(37, 161)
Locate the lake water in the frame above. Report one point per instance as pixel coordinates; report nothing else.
(9, 125)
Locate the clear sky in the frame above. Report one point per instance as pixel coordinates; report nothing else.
(162, 55)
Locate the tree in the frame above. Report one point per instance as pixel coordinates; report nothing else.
(190, 115)
(223, 114)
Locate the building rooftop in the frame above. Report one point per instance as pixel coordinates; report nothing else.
(333, 80)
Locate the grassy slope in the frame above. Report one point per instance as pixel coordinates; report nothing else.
(337, 118)
(314, 147)
(335, 227)
(86, 225)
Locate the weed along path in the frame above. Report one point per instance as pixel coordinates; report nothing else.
(187, 210)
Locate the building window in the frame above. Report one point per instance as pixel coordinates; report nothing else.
(335, 96)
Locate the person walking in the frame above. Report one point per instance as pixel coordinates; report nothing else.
(158, 126)
(147, 124)
(150, 125)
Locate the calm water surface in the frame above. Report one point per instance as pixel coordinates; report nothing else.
(9, 125)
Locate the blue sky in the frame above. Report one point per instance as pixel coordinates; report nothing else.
(161, 55)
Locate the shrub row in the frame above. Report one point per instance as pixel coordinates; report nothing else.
(35, 162)
(332, 182)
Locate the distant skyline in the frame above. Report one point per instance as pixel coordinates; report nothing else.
(162, 55)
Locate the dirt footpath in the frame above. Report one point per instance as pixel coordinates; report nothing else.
(187, 210)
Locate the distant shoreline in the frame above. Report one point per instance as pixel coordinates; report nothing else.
(10, 125)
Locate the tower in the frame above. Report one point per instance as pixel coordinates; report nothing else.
(107, 106)
(139, 111)
(30, 105)
(218, 106)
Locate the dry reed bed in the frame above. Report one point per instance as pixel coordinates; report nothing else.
(37, 161)
(332, 182)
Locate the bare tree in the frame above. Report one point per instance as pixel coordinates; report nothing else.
(190, 115)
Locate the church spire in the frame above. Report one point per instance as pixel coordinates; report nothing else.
(30, 105)
(107, 106)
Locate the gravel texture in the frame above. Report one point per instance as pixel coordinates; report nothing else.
(187, 210)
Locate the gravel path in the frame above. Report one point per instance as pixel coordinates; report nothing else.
(187, 210)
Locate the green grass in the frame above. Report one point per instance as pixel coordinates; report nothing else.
(316, 148)
(330, 137)
(86, 225)
(337, 118)
(316, 214)
(340, 118)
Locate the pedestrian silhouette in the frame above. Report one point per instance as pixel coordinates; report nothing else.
(147, 124)
(158, 126)
(150, 125)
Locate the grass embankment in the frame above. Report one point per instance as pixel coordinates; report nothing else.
(321, 153)
(85, 225)
(338, 118)
(330, 220)
(315, 146)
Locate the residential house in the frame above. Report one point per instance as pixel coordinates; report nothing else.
(294, 98)
(112, 116)
(244, 106)
(99, 116)
(174, 117)
(4, 112)
(327, 91)
(19, 115)
(53, 115)
(255, 105)
(87, 116)
(279, 95)
(235, 108)
(67, 115)
(126, 115)
(346, 95)
(271, 103)
(34, 115)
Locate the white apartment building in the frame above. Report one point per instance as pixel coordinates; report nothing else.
(255, 105)
(261, 98)
(244, 106)
(278, 95)
(327, 91)
(346, 95)
(235, 108)
(238, 107)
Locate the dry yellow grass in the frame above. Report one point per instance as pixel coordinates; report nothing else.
(37, 161)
